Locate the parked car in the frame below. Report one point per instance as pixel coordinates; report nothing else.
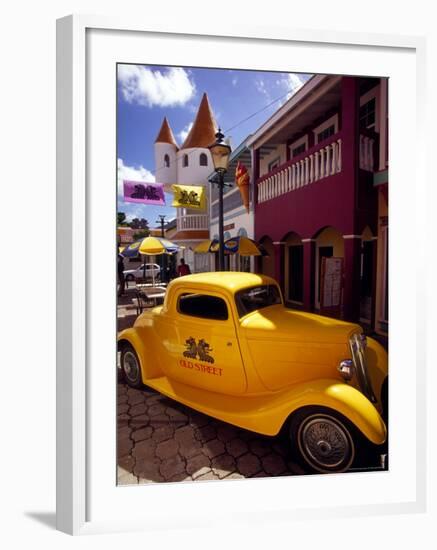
(225, 345)
(152, 271)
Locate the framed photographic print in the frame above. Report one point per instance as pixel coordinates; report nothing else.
(230, 327)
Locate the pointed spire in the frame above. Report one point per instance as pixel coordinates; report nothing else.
(165, 134)
(204, 128)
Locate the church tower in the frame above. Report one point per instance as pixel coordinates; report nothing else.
(191, 164)
(165, 156)
(194, 159)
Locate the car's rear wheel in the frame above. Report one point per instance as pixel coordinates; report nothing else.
(130, 365)
(322, 440)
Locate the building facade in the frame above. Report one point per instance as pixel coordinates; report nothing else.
(320, 167)
(190, 164)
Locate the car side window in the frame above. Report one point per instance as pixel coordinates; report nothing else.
(203, 306)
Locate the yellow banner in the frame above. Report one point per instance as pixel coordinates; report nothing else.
(189, 196)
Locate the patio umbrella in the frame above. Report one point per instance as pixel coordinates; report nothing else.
(244, 247)
(207, 246)
(131, 250)
(150, 246)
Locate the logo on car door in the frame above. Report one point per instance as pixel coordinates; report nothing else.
(200, 350)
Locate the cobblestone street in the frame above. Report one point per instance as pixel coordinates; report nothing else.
(161, 440)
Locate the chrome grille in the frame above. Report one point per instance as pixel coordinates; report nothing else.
(358, 350)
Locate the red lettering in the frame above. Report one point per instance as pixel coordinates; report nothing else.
(208, 369)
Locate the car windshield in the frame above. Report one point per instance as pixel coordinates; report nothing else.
(257, 297)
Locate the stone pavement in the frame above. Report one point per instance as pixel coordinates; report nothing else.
(159, 440)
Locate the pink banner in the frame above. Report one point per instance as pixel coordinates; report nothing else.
(145, 193)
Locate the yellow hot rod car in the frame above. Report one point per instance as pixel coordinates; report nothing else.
(225, 345)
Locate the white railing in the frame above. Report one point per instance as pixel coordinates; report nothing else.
(192, 221)
(366, 153)
(319, 164)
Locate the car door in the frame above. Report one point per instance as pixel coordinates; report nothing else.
(202, 346)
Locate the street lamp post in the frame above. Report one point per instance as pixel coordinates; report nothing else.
(220, 152)
(161, 221)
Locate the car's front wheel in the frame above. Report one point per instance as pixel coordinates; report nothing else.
(129, 278)
(322, 440)
(130, 365)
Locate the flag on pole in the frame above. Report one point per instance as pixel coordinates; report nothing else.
(189, 196)
(242, 181)
(145, 193)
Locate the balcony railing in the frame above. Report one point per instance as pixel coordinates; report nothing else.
(319, 162)
(192, 221)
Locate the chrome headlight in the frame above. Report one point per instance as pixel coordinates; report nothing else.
(346, 369)
(358, 343)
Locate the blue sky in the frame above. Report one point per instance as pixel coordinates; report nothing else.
(147, 93)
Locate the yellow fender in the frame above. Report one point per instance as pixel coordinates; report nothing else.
(344, 399)
(149, 368)
(267, 413)
(335, 395)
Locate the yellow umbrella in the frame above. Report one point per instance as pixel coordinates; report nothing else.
(207, 246)
(152, 246)
(243, 246)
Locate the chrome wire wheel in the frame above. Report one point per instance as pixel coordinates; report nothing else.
(131, 367)
(325, 443)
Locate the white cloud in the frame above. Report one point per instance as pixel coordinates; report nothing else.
(182, 135)
(150, 88)
(125, 172)
(291, 82)
(261, 87)
(234, 81)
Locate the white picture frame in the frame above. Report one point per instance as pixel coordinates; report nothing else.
(86, 500)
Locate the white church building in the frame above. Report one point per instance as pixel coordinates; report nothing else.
(190, 164)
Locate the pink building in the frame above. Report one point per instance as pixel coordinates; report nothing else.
(320, 167)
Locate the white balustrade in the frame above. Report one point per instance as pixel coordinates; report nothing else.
(192, 221)
(325, 162)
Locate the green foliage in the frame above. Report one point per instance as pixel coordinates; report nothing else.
(137, 223)
(141, 234)
(121, 219)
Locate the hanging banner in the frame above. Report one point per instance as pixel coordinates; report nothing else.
(145, 193)
(242, 180)
(189, 196)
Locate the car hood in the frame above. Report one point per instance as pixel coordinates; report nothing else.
(280, 323)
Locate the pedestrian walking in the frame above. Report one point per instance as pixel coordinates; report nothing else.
(183, 268)
(120, 273)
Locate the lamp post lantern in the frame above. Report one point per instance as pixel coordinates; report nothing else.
(220, 152)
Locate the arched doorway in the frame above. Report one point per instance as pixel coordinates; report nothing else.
(267, 263)
(329, 243)
(293, 268)
(243, 263)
